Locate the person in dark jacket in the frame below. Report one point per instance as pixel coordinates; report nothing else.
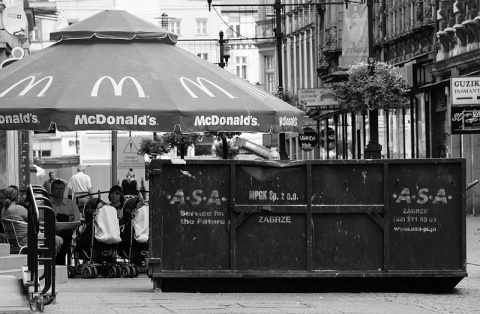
(129, 184)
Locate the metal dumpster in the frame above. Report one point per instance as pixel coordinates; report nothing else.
(317, 225)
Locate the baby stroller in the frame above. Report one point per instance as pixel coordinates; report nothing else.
(134, 245)
(96, 244)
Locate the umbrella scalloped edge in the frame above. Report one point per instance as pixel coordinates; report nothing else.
(167, 38)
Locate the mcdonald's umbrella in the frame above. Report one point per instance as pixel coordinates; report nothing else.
(115, 71)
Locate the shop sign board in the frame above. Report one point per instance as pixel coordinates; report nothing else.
(308, 140)
(96, 149)
(465, 119)
(465, 91)
(128, 156)
(322, 98)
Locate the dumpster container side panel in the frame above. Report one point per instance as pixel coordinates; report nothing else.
(267, 185)
(347, 184)
(272, 242)
(195, 215)
(155, 238)
(275, 237)
(387, 220)
(347, 242)
(425, 216)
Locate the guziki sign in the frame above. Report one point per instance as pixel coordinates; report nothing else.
(465, 109)
(465, 91)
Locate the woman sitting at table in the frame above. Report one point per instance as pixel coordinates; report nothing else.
(14, 211)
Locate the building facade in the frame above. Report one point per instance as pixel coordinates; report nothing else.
(430, 43)
(15, 23)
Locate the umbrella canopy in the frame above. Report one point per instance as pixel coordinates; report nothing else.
(115, 71)
(114, 25)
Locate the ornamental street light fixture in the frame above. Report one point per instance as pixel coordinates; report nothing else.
(373, 149)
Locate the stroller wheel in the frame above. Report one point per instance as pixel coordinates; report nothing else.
(126, 272)
(71, 272)
(87, 272)
(119, 271)
(94, 272)
(112, 272)
(135, 271)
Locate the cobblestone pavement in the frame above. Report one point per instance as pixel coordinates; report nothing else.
(105, 295)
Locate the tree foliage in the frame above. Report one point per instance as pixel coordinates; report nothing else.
(232, 150)
(153, 146)
(220, 135)
(383, 89)
(182, 140)
(162, 144)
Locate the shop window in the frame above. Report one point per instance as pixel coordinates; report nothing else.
(42, 153)
(421, 129)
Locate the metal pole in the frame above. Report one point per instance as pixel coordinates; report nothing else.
(114, 157)
(387, 123)
(222, 64)
(354, 134)
(374, 149)
(24, 158)
(472, 158)
(222, 51)
(279, 37)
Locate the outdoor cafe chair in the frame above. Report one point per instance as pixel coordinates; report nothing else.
(9, 226)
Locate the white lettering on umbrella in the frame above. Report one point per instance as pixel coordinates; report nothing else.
(202, 87)
(30, 86)
(99, 119)
(226, 120)
(117, 87)
(19, 118)
(288, 121)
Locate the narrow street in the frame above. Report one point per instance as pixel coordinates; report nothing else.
(105, 295)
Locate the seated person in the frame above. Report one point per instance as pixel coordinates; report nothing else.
(14, 211)
(67, 217)
(116, 199)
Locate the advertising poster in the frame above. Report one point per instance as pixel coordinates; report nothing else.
(355, 34)
(322, 98)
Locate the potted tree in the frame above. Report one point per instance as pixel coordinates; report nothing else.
(226, 149)
(372, 86)
(182, 141)
(163, 144)
(153, 147)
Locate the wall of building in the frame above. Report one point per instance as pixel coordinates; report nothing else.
(9, 159)
(430, 47)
